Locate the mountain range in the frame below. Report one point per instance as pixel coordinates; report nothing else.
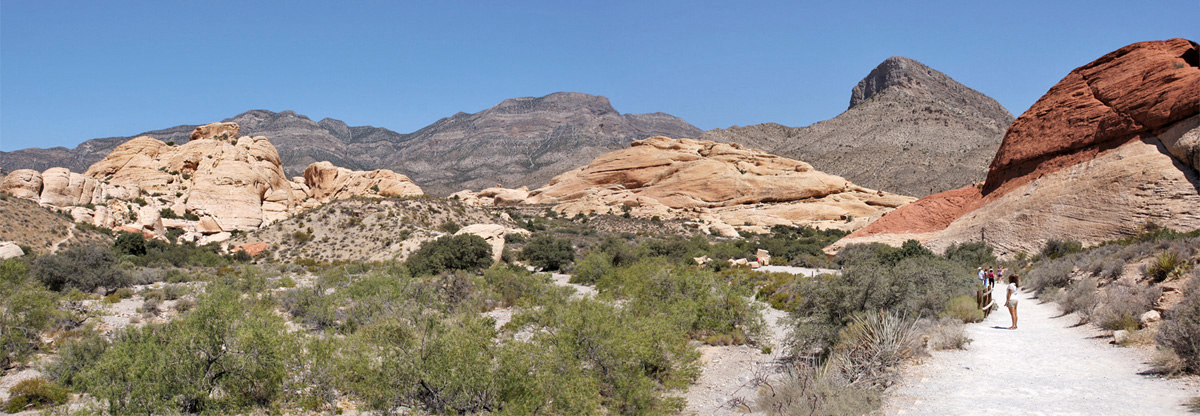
(909, 129)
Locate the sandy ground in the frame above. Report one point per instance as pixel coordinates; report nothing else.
(727, 383)
(1049, 366)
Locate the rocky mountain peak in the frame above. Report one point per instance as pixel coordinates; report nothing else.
(897, 71)
(557, 102)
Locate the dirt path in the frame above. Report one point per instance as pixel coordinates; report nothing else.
(70, 235)
(1048, 366)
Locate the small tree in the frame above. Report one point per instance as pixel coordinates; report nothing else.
(85, 268)
(548, 253)
(130, 243)
(460, 252)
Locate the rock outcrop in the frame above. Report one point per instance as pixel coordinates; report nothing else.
(215, 183)
(9, 249)
(1109, 148)
(724, 187)
(327, 182)
(909, 129)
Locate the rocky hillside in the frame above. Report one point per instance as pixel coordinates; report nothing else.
(1113, 146)
(724, 188)
(40, 229)
(909, 129)
(519, 142)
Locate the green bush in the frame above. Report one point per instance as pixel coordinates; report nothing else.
(28, 309)
(977, 254)
(130, 243)
(964, 308)
(34, 393)
(548, 253)
(450, 227)
(1057, 248)
(227, 344)
(84, 268)
(167, 213)
(74, 358)
(460, 252)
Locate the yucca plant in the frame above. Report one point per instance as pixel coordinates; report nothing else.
(871, 344)
(1167, 264)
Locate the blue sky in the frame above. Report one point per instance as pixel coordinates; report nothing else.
(75, 70)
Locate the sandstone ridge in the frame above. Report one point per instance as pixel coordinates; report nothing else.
(722, 187)
(216, 183)
(1111, 147)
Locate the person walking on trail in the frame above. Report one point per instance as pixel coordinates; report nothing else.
(1011, 300)
(982, 277)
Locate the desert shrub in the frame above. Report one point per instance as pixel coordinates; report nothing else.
(944, 334)
(34, 393)
(130, 243)
(975, 254)
(871, 344)
(516, 286)
(1055, 248)
(74, 358)
(548, 253)
(1120, 305)
(227, 344)
(810, 391)
(589, 270)
(28, 309)
(1049, 275)
(167, 213)
(450, 227)
(1166, 264)
(1180, 331)
(84, 268)
(963, 308)
(460, 252)
(914, 287)
(1079, 297)
(800, 246)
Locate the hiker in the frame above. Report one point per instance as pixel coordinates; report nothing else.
(991, 277)
(982, 277)
(1011, 301)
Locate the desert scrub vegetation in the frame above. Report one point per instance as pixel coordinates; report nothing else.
(460, 252)
(1180, 331)
(548, 253)
(852, 329)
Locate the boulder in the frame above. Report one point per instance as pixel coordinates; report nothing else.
(226, 131)
(9, 249)
(253, 249)
(23, 183)
(1120, 336)
(328, 182)
(1150, 317)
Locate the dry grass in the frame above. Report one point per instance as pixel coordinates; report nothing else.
(38, 228)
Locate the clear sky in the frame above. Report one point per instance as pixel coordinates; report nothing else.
(76, 70)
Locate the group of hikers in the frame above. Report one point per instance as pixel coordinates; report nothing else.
(988, 277)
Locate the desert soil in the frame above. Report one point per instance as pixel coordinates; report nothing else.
(1048, 366)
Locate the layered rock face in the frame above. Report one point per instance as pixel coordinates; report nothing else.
(1111, 147)
(724, 187)
(220, 180)
(519, 142)
(909, 129)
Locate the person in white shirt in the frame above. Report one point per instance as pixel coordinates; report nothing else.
(1011, 301)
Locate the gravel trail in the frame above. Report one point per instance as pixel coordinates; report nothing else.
(1049, 366)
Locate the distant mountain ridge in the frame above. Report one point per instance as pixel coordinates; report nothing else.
(909, 129)
(519, 142)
